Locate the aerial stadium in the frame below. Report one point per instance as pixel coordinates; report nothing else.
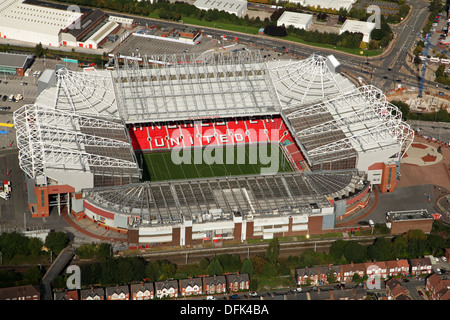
(177, 150)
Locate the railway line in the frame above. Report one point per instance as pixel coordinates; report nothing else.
(292, 248)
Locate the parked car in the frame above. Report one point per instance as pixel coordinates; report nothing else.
(252, 294)
(4, 98)
(444, 259)
(234, 296)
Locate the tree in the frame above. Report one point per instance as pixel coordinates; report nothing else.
(214, 268)
(32, 275)
(273, 250)
(337, 249)
(355, 252)
(56, 241)
(363, 45)
(435, 244)
(331, 277)
(381, 250)
(403, 106)
(259, 263)
(247, 267)
(39, 50)
(399, 246)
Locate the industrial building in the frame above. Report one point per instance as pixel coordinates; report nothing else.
(78, 144)
(355, 26)
(56, 27)
(237, 7)
(295, 19)
(15, 64)
(327, 4)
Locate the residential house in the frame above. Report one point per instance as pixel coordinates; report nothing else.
(397, 267)
(357, 293)
(214, 284)
(142, 291)
(307, 276)
(324, 272)
(376, 268)
(438, 288)
(337, 272)
(396, 291)
(118, 293)
(420, 266)
(92, 294)
(348, 270)
(29, 292)
(237, 282)
(168, 288)
(191, 286)
(66, 295)
(320, 295)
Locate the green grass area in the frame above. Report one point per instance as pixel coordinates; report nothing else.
(355, 51)
(221, 25)
(213, 162)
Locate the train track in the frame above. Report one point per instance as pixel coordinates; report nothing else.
(189, 256)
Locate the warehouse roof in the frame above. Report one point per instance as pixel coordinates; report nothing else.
(295, 19)
(14, 60)
(225, 5)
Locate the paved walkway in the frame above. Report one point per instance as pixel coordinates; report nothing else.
(90, 229)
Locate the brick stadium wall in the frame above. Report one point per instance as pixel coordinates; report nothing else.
(399, 227)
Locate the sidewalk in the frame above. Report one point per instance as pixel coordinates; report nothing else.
(90, 229)
(358, 215)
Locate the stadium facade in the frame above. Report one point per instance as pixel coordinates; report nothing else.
(78, 144)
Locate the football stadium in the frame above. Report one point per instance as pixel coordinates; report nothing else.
(176, 150)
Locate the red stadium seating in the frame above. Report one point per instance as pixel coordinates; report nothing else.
(167, 135)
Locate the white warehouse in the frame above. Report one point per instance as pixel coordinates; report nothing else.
(295, 19)
(34, 24)
(355, 26)
(238, 7)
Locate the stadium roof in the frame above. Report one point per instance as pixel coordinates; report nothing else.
(312, 79)
(182, 87)
(340, 127)
(70, 142)
(201, 200)
(331, 119)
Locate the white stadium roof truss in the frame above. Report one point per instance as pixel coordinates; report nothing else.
(59, 130)
(306, 80)
(49, 138)
(88, 92)
(366, 117)
(181, 86)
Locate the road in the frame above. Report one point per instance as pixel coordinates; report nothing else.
(383, 70)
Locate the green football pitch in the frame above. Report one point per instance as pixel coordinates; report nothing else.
(212, 162)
